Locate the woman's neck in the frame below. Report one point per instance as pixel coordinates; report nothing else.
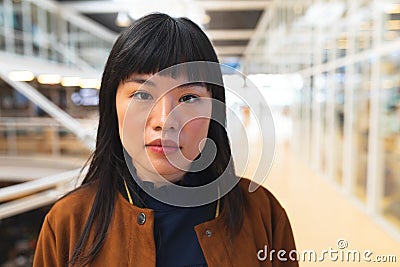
(158, 180)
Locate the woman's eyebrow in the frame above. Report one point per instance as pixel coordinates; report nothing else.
(192, 84)
(140, 80)
(153, 84)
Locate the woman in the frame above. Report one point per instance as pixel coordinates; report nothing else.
(150, 141)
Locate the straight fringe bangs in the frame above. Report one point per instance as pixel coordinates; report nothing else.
(164, 45)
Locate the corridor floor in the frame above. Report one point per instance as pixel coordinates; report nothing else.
(321, 215)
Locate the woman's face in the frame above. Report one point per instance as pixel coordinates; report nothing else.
(163, 124)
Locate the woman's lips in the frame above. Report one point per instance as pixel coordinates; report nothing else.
(163, 147)
(163, 150)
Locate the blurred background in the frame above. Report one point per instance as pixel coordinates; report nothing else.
(329, 70)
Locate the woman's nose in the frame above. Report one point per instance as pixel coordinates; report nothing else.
(162, 115)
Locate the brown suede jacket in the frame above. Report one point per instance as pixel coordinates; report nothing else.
(130, 238)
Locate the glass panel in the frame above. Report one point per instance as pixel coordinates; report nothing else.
(42, 37)
(328, 48)
(338, 123)
(360, 127)
(51, 31)
(45, 138)
(298, 117)
(390, 136)
(78, 42)
(35, 30)
(309, 93)
(18, 27)
(2, 38)
(51, 44)
(342, 32)
(26, 27)
(70, 145)
(55, 30)
(3, 139)
(363, 19)
(307, 115)
(341, 46)
(391, 20)
(322, 96)
(31, 140)
(70, 41)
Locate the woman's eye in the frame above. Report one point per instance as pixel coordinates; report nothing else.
(142, 96)
(189, 98)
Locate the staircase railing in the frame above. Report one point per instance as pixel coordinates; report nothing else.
(34, 194)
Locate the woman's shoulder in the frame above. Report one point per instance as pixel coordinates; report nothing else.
(260, 199)
(252, 189)
(266, 221)
(73, 206)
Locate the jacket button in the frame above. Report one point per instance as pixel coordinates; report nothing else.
(141, 218)
(208, 233)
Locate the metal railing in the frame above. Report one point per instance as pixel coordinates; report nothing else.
(46, 136)
(34, 194)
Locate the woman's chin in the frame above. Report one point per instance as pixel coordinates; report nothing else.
(169, 167)
(160, 170)
(169, 173)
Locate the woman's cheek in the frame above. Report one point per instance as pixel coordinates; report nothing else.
(121, 111)
(192, 134)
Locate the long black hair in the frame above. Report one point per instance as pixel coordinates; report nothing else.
(151, 44)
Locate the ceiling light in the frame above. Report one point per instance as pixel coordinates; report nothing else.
(70, 81)
(298, 9)
(387, 84)
(393, 25)
(366, 25)
(206, 19)
(21, 76)
(342, 43)
(49, 79)
(90, 83)
(392, 8)
(123, 20)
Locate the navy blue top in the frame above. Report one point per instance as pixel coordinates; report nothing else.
(176, 241)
